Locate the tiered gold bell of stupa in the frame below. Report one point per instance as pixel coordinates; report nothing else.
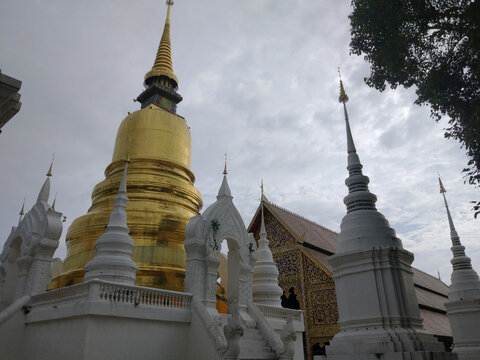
(160, 188)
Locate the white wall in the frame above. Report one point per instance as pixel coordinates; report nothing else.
(95, 331)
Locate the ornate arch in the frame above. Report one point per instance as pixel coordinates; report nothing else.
(204, 234)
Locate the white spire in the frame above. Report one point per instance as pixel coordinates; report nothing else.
(359, 196)
(463, 306)
(265, 287)
(113, 256)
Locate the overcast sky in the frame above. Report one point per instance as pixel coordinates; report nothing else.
(259, 81)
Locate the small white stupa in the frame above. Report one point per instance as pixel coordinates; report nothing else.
(266, 290)
(463, 306)
(113, 257)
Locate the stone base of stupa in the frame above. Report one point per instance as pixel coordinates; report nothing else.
(388, 344)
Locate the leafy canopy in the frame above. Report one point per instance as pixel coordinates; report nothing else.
(434, 45)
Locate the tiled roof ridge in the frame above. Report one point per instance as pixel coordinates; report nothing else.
(300, 216)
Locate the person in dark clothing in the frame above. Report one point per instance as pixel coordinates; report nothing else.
(290, 301)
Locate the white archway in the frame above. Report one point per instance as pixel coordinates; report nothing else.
(204, 235)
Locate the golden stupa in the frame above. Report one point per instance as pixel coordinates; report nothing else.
(160, 188)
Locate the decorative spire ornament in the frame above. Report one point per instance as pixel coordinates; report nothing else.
(262, 198)
(463, 306)
(225, 167)
(343, 98)
(49, 172)
(22, 210)
(54, 200)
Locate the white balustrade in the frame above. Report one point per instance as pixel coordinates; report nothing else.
(64, 295)
(273, 312)
(145, 296)
(97, 290)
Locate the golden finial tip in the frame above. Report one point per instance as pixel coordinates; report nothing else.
(22, 210)
(54, 201)
(225, 168)
(263, 196)
(49, 172)
(343, 98)
(442, 188)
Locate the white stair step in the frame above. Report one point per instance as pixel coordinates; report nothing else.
(254, 347)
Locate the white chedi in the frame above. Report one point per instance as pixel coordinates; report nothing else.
(265, 290)
(113, 257)
(463, 305)
(384, 322)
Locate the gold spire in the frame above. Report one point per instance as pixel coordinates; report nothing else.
(49, 172)
(442, 189)
(163, 65)
(262, 199)
(22, 210)
(343, 98)
(225, 168)
(54, 200)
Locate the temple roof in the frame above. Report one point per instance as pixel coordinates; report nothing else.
(304, 230)
(427, 281)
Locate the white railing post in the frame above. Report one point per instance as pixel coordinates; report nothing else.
(93, 291)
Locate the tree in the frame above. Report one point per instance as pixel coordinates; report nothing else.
(433, 45)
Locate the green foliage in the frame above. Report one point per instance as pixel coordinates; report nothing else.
(215, 225)
(433, 45)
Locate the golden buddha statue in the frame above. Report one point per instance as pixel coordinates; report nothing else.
(160, 188)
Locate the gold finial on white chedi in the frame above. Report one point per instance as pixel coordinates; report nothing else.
(442, 188)
(343, 98)
(225, 167)
(49, 172)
